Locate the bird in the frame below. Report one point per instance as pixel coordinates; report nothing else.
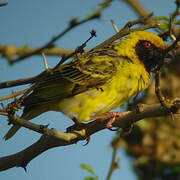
(97, 81)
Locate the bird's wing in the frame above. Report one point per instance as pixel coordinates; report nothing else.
(74, 77)
(94, 71)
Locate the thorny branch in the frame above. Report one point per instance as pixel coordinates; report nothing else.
(53, 138)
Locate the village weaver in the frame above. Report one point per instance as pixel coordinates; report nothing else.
(98, 81)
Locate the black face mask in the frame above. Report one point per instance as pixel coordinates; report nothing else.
(151, 56)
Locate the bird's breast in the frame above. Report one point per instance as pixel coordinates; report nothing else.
(128, 81)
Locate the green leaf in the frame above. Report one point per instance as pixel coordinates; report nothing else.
(163, 26)
(87, 168)
(157, 18)
(90, 178)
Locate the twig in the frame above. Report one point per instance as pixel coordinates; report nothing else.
(50, 43)
(14, 94)
(3, 4)
(137, 7)
(73, 23)
(79, 49)
(18, 51)
(4, 113)
(171, 47)
(114, 164)
(54, 138)
(138, 21)
(170, 107)
(19, 82)
(48, 47)
(170, 28)
(158, 92)
(126, 30)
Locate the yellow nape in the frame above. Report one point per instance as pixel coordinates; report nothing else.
(126, 46)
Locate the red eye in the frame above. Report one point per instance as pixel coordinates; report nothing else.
(147, 44)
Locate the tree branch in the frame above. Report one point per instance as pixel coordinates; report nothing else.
(3, 4)
(9, 51)
(14, 94)
(137, 7)
(53, 138)
(126, 30)
(72, 23)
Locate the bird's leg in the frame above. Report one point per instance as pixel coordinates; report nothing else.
(112, 117)
(75, 126)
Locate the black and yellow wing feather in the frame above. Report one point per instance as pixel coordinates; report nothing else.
(72, 78)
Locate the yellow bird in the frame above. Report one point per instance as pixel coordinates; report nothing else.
(98, 81)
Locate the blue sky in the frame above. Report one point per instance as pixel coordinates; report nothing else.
(33, 23)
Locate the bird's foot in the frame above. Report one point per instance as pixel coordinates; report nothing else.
(112, 118)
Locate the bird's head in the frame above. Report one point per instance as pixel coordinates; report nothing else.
(146, 47)
(150, 50)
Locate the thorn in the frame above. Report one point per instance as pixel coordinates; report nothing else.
(87, 141)
(25, 169)
(114, 26)
(42, 127)
(46, 126)
(45, 61)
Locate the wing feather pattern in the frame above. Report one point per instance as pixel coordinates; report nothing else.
(84, 72)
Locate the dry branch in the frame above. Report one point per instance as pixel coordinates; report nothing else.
(53, 138)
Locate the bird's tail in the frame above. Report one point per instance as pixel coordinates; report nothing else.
(28, 114)
(15, 128)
